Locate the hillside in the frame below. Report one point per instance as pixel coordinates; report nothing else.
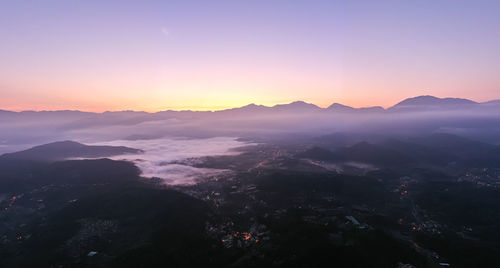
(68, 149)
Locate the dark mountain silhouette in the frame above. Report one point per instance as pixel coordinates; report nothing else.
(436, 149)
(252, 107)
(294, 107)
(338, 107)
(468, 152)
(371, 109)
(443, 149)
(344, 139)
(479, 121)
(423, 102)
(453, 144)
(247, 109)
(297, 106)
(68, 149)
(373, 154)
(363, 152)
(317, 153)
(424, 154)
(431, 100)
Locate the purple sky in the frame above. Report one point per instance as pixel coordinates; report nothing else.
(156, 55)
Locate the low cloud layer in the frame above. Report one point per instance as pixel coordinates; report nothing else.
(156, 161)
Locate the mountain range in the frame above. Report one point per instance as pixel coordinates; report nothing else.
(439, 149)
(414, 116)
(420, 103)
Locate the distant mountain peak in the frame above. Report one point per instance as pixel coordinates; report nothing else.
(63, 143)
(339, 106)
(299, 103)
(296, 105)
(293, 107)
(253, 106)
(428, 101)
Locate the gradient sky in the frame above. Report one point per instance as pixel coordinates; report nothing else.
(157, 55)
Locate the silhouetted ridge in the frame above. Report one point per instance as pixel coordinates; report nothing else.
(340, 107)
(414, 102)
(444, 149)
(363, 152)
(422, 153)
(373, 154)
(317, 153)
(68, 149)
(296, 106)
(427, 101)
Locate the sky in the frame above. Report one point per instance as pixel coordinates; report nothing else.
(210, 55)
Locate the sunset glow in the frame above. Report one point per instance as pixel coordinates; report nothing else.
(211, 55)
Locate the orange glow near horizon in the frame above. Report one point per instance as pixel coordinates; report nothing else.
(123, 105)
(206, 88)
(154, 55)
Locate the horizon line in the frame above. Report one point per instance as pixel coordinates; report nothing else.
(173, 108)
